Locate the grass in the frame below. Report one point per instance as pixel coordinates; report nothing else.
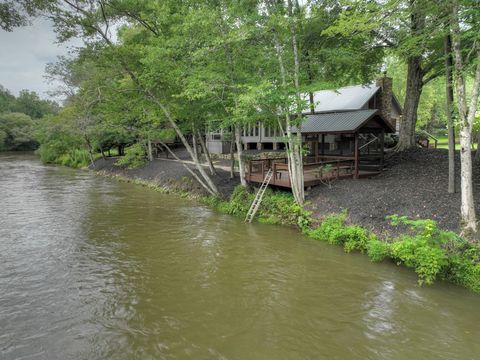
(443, 143)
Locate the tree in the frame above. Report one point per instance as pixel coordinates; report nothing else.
(28, 102)
(462, 25)
(7, 100)
(412, 30)
(16, 132)
(135, 50)
(14, 13)
(449, 110)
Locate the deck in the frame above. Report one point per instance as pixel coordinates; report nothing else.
(326, 170)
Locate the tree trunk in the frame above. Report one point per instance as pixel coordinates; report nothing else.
(206, 153)
(415, 76)
(194, 142)
(409, 119)
(232, 159)
(466, 115)
(241, 167)
(149, 150)
(90, 150)
(449, 112)
(469, 221)
(204, 185)
(477, 153)
(295, 161)
(300, 183)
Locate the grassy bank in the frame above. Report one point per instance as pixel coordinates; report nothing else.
(431, 252)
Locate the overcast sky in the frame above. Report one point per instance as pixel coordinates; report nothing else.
(24, 52)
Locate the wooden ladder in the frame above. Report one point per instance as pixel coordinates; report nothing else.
(259, 196)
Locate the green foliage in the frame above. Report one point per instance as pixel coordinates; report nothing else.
(276, 207)
(428, 261)
(60, 142)
(464, 271)
(378, 250)
(16, 132)
(430, 251)
(334, 231)
(423, 250)
(135, 156)
(75, 158)
(29, 103)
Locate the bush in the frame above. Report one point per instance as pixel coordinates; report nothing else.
(427, 260)
(276, 207)
(334, 231)
(135, 156)
(75, 158)
(378, 250)
(465, 272)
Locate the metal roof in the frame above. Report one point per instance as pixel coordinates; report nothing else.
(338, 121)
(342, 99)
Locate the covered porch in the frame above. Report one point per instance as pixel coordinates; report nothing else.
(340, 145)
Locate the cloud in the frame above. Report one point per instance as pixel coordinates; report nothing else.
(25, 52)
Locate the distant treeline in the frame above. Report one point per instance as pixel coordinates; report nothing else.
(19, 117)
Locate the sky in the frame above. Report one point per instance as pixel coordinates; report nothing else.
(24, 53)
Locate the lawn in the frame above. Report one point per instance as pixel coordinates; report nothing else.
(443, 143)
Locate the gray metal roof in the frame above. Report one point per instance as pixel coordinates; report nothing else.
(336, 121)
(342, 99)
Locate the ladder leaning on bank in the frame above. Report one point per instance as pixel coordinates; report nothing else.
(258, 197)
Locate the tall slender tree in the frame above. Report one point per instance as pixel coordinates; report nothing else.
(466, 109)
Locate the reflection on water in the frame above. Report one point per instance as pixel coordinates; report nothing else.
(95, 269)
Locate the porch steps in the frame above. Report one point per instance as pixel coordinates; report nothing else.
(259, 196)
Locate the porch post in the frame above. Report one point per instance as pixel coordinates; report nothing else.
(323, 144)
(316, 148)
(356, 156)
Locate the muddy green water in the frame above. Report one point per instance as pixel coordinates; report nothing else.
(91, 268)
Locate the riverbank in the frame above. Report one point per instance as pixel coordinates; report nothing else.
(413, 184)
(355, 214)
(168, 175)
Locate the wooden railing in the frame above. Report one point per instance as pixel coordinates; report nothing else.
(425, 143)
(328, 168)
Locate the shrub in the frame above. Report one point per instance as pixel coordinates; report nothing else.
(427, 260)
(465, 272)
(423, 249)
(135, 156)
(377, 250)
(75, 158)
(334, 231)
(276, 207)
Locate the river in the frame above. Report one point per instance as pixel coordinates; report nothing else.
(92, 268)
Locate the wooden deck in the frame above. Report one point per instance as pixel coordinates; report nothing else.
(323, 172)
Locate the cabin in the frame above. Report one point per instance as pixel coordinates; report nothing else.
(344, 131)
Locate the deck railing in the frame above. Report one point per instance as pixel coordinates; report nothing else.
(330, 167)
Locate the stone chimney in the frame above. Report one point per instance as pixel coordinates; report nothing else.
(384, 101)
